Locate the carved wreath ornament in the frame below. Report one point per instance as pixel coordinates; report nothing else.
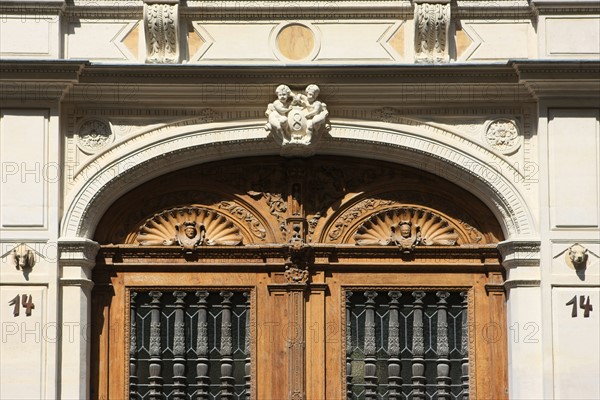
(189, 227)
(93, 135)
(406, 228)
(503, 135)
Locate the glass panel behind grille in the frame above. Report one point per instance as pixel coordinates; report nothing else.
(404, 344)
(189, 345)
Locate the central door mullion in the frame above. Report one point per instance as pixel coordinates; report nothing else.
(296, 342)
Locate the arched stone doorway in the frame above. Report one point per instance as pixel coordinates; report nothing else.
(315, 278)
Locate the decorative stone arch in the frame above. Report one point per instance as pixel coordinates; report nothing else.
(168, 148)
(161, 150)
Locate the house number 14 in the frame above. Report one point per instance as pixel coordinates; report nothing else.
(22, 300)
(586, 306)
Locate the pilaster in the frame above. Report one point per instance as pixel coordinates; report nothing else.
(521, 259)
(76, 261)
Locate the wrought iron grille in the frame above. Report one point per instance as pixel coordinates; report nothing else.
(188, 344)
(407, 344)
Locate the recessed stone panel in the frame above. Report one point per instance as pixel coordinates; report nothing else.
(575, 343)
(573, 180)
(24, 336)
(25, 174)
(573, 36)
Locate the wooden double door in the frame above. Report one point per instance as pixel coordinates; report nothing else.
(313, 279)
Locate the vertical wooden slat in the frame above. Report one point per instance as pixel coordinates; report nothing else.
(370, 348)
(418, 348)
(247, 350)
(394, 367)
(202, 378)
(465, 346)
(226, 350)
(179, 379)
(296, 342)
(442, 347)
(155, 367)
(133, 395)
(348, 347)
(115, 371)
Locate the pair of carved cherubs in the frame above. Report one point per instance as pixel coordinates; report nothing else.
(296, 118)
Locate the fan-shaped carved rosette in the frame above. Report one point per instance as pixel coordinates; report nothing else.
(407, 228)
(189, 227)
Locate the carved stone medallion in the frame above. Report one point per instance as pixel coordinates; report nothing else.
(503, 135)
(93, 135)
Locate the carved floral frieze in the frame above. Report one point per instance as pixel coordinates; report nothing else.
(189, 227)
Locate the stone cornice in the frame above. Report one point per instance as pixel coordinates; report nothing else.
(85, 284)
(554, 7)
(83, 71)
(41, 71)
(36, 8)
(511, 284)
(272, 10)
(368, 85)
(559, 79)
(37, 82)
(77, 252)
(520, 253)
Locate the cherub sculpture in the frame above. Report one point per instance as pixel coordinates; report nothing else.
(277, 111)
(296, 119)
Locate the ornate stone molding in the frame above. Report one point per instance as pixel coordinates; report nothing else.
(130, 167)
(396, 116)
(84, 284)
(508, 285)
(76, 259)
(189, 227)
(553, 7)
(432, 23)
(520, 253)
(77, 252)
(161, 27)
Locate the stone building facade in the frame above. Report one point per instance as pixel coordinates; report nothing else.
(303, 200)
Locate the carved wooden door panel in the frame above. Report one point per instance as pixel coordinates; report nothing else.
(324, 278)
